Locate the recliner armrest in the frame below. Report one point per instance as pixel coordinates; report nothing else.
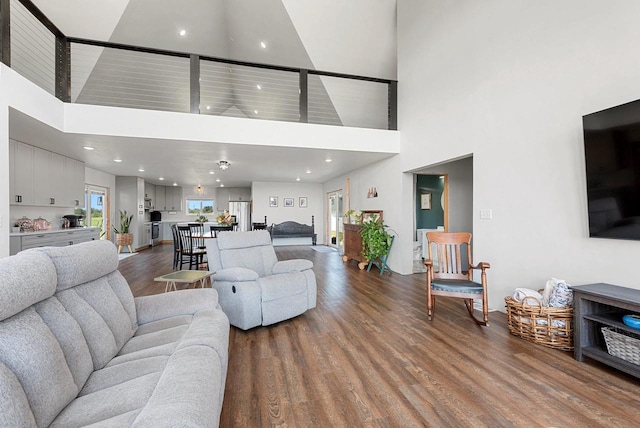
(236, 274)
(296, 265)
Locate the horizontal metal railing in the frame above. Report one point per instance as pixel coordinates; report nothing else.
(105, 73)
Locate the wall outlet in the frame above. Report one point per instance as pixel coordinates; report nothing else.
(486, 214)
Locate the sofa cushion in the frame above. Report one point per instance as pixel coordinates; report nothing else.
(25, 279)
(46, 379)
(96, 262)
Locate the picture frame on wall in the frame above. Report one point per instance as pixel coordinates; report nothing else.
(303, 202)
(287, 202)
(425, 201)
(273, 201)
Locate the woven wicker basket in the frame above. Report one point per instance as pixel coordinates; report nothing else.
(552, 327)
(622, 345)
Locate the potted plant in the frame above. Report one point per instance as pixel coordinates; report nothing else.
(123, 236)
(376, 241)
(353, 217)
(202, 219)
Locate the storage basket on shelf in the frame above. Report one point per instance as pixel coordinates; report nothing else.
(624, 345)
(548, 326)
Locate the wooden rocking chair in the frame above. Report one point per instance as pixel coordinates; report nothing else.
(446, 275)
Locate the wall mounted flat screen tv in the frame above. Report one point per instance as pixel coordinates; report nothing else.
(612, 156)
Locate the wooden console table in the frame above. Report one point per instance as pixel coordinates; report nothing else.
(597, 306)
(353, 245)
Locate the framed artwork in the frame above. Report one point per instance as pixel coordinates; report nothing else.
(273, 201)
(368, 215)
(425, 201)
(303, 202)
(287, 202)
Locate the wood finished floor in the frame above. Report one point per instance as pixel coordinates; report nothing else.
(367, 356)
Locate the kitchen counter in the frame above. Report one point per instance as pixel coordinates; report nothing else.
(59, 230)
(51, 238)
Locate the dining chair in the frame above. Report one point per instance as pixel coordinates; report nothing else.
(448, 275)
(259, 226)
(176, 246)
(189, 250)
(215, 229)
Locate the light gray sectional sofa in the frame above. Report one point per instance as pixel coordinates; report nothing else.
(254, 287)
(77, 349)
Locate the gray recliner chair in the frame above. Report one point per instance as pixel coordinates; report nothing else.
(254, 288)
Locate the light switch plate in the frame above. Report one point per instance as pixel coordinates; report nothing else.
(486, 214)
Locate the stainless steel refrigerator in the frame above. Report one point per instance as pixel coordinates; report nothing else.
(242, 211)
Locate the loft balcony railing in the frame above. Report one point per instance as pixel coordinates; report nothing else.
(111, 74)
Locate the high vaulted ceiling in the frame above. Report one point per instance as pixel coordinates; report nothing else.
(354, 37)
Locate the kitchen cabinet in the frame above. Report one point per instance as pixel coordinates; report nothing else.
(74, 183)
(38, 177)
(52, 238)
(48, 181)
(146, 235)
(160, 201)
(173, 198)
(150, 193)
(22, 173)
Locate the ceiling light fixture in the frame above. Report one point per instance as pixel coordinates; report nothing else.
(308, 171)
(221, 185)
(258, 86)
(208, 107)
(224, 165)
(217, 180)
(117, 160)
(161, 178)
(298, 179)
(212, 172)
(263, 45)
(327, 160)
(183, 33)
(175, 184)
(255, 111)
(140, 170)
(89, 148)
(199, 189)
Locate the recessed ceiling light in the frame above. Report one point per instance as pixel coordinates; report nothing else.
(140, 170)
(328, 160)
(208, 107)
(117, 160)
(298, 179)
(308, 171)
(221, 185)
(217, 180)
(175, 184)
(89, 148)
(211, 172)
(255, 111)
(161, 178)
(263, 45)
(258, 86)
(183, 32)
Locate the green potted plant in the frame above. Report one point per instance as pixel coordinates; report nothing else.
(123, 236)
(376, 241)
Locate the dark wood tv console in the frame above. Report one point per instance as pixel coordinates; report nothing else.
(597, 306)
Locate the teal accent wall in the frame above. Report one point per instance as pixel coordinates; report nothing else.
(429, 219)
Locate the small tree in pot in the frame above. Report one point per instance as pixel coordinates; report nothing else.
(123, 237)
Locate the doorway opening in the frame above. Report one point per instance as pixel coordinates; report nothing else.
(335, 229)
(96, 212)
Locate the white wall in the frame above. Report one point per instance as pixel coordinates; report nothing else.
(262, 191)
(386, 177)
(509, 81)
